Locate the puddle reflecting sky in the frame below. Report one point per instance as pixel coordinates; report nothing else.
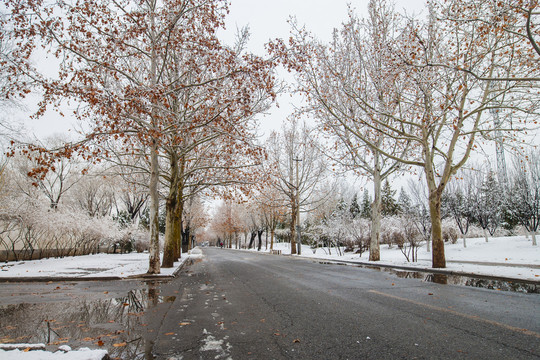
(117, 324)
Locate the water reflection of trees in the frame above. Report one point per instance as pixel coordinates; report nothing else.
(451, 279)
(504, 285)
(94, 324)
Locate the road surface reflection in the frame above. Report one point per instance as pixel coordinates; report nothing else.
(117, 324)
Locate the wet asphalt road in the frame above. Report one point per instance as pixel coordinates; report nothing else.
(239, 305)
(253, 306)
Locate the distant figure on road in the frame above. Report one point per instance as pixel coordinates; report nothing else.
(221, 244)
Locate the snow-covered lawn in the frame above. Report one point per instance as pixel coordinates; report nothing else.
(99, 265)
(512, 257)
(34, 352)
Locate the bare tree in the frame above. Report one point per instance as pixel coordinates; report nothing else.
(95, 194)
(488, 204)
(524, 195)
(459, 201)
(299, 169)
(419, 210)
(448, 68)
(273, 210)
(339, 79)
(62, 176)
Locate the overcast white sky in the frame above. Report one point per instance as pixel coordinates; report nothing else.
(267, 20)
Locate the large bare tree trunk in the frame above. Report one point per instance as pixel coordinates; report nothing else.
(437, 256)
(170, 221)
(259, 235)
(173, 233)
(293, 227)
(154, 267)
(374, 246)
(168, 248)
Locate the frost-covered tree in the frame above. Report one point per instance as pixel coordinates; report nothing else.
(524, 194)
(420, 210)
(488, 205)
(354, 208)
(442, 76)
(365, 209)
(389, 206)
(8, 127)
(403, 202)
(95, 194)
(63, 175)
(299, 170)
(459, 203)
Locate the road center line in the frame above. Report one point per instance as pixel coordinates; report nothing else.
(453, 312)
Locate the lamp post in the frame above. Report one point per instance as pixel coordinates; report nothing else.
(298, 235)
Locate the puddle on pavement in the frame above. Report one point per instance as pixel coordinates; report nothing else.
(116, 324)
(486, 283)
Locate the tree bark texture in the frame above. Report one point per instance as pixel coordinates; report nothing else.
(154, 267)
(374, 246)
(437, 256)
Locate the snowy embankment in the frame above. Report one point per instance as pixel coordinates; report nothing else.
(510, 257)
(98, 265)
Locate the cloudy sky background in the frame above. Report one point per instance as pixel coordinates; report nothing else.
(267, 20)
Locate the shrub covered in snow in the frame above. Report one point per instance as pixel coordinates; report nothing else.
(31, 229)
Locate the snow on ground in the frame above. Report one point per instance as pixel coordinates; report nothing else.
(81, 354)
(98, 265)
(511, 257)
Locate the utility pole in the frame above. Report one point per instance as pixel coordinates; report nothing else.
(298, 235)
(499, 146)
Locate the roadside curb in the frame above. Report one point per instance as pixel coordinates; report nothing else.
(181, 266)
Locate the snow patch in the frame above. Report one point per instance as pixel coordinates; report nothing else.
(215, 345)
(97, 265)
(511, 256)
(81, 354)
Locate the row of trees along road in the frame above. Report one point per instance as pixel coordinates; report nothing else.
(152, 78)
(167, 103)
(474, 200)
(394, 92)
